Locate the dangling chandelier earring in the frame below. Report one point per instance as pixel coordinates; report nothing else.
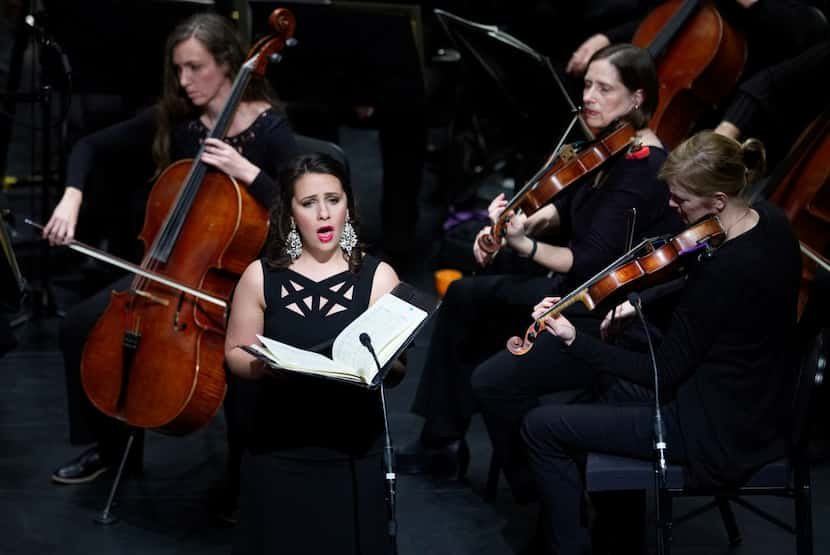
(293, 243)
(348, 239)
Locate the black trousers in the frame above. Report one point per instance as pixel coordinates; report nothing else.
(506, 387)
(475, 320)
(86, 423)
(558, 438)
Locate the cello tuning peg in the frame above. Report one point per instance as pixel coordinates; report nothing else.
(275, 58)
(291, 42)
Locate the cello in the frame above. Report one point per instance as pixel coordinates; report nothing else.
(700, 58)
(155, 357)
(801, 187)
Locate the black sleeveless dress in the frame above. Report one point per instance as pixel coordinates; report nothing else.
(313, 479)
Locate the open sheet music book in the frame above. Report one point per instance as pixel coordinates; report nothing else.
(391, 323)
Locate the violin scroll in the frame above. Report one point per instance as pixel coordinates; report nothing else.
(490, 243)
(519, 346)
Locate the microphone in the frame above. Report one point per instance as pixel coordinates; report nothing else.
(659, 428)
(366, 341)
(388, 451)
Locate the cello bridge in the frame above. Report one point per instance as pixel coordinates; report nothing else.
(151, 297)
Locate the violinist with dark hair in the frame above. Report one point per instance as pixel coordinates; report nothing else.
(726, 360)
(479, 313)
(202, 57)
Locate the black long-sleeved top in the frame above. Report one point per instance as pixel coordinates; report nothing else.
(267, 144)
(595, 217)
(727, 361)
(794, 89)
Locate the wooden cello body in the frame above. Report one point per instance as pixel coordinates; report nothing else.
(155, 357)
(802, 190)
(699, 58)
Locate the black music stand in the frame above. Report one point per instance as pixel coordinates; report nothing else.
(51, 79)
(515, 101)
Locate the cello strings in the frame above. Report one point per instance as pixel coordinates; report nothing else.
(173, 223)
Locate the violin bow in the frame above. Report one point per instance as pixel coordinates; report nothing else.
(630, 223)
(814, 256)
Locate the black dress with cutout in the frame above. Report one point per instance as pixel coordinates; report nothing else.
(313, 481)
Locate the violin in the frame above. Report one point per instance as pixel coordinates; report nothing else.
(155, 357)
(560, 172)
(699, 60)
(629, 272)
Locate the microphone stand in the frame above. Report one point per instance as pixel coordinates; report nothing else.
(388, 453)
(659, 431)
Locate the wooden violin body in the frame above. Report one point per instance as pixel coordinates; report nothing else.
(699, 60)
(155, 357)
(630, 273)
(556, 177)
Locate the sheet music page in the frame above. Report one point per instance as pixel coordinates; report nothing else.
(388, 322)
(292, 358)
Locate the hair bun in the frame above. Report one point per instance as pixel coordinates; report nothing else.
(755, 159)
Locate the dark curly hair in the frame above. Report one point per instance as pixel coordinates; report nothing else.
(280, 217)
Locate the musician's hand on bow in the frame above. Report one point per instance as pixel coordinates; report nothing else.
(60, 229)
(224, 157)
(622, 312)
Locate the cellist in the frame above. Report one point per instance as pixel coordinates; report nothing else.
(203, 54)
(759, 20)
(479, 313)
(770, 87)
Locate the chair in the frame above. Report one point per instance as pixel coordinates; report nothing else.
(306, 144)
(787, 477)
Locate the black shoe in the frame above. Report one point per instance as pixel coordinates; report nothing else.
(451, 459)
(82, 469)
